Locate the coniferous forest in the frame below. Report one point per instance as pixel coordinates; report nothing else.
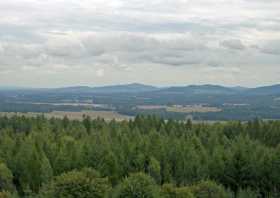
(143, 158)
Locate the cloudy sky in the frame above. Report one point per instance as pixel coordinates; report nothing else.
(53, 43)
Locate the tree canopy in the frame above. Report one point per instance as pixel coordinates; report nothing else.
(146, 157)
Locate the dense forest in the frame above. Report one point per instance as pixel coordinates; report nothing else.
(147, 157)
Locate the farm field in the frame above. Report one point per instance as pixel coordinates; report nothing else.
(181, 108)
(192, 108)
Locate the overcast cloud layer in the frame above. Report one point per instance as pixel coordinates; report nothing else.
(50, 43)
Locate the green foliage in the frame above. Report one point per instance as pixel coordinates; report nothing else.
(32, 167)
(48, 156)
(5, 194)
(154, 169)
(247, 193)
(170, 191)
(209, 189)
(86, 183)
(137, 185)
(6, 178)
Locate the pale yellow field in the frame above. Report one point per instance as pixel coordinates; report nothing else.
(181, 109)
(191, 109)
(151, 107)
(107, 115)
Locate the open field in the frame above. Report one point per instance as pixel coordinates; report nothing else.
(192, 108)
(181, 108)
(107, 115)
(151, 107)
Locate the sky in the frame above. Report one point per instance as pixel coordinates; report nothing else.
(55, 43)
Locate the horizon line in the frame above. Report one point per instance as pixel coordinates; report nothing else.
(134, 83)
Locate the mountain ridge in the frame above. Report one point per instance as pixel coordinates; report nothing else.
(138, 88)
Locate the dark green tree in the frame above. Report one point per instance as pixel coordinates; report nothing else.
(86, 183)
(137, 185)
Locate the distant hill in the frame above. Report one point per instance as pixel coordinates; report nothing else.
(200, 90)
(72, 89)
(194, 90)
(126, 88)
(5, 88)
(266, 90)
(239, 88)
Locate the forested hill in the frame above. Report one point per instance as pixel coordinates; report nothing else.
(146, 158)
(138, 88)
(126, 88)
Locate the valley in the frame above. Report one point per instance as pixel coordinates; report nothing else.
(200, 102)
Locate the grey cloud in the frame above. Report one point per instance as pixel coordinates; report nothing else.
(114, 42)
(183, 44)
(214, 63)
(95, 47)
(15, 55)
(138, 48)
(176, 60)
(223, 69)
(234, 44)
(1, 49)
(64, 47)
(140, 42)
(24, 51)
(123, 35)
(271, 47)
(261, 1)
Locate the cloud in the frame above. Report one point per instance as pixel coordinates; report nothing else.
(234, 44)
(223, 69)
(23, 50)
(64, 47)
(100, 72)
(29, 68)
(123, 37)
(1, 49)
(271, 47)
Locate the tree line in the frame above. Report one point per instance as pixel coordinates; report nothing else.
(147, 157)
